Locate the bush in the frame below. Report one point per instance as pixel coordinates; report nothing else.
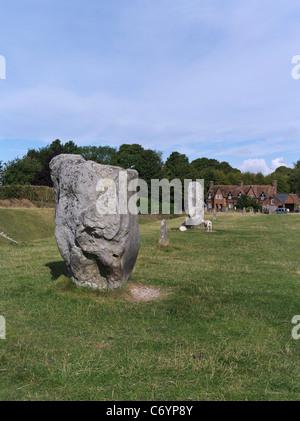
(31, 193)
(248, 202)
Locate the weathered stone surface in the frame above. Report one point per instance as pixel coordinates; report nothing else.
(214, 215)
(99, 250)
(164, 235)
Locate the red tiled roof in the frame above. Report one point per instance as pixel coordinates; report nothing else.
(235, 190)
(295, 198)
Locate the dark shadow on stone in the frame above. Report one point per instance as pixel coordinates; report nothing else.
(57, 269)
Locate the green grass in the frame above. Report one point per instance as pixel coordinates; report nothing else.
(27, 224)
(223, 331)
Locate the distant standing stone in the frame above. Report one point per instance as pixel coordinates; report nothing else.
(164, 235)
(195, 205)
(244, 211)
(226, 211)
(214, 215)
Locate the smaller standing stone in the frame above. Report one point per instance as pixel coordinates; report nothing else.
(214, 215)
(226, 211)
(244, 211)
(163, 236)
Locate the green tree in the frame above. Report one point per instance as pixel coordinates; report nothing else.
(248, 178)
(226, 168)
(147, 162)
(1, 172)
(246, 201)
(178, 166)
(129, 155)
(20, 171)
(200, 164)
(294, 180)
(70, 147)
(102, 154)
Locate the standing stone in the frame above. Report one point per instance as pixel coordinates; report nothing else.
(98, 240)
(226, 211)
(251, 211)
(214, 215)
(2, 328)
(244, 211)
(164, 236)
(195, 205)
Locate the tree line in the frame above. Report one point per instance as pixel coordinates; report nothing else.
(33, 168)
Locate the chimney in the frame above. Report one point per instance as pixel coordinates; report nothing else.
(274, 186)
(211, 185)
(241, 184)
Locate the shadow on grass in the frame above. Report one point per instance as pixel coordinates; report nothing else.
(57, 269)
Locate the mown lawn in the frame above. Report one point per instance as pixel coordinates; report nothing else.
(222, 331)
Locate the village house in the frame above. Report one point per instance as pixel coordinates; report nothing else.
(288, 201)
(221, 196)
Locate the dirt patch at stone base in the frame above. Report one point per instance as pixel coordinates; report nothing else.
(145, 293)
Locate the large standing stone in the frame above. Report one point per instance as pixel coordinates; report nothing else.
(99, 249)
(164, 235)
(244, 211)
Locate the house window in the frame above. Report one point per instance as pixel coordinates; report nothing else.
(230, 196)
(209, 195)
(272, 202)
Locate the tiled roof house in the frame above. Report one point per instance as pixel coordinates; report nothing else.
(222, 196)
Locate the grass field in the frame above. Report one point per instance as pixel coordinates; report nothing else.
(220, 331)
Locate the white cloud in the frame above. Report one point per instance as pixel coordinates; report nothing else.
(278, 162)
(255, 166)
(259, 165)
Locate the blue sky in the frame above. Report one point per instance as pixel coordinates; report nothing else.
(204, 77)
